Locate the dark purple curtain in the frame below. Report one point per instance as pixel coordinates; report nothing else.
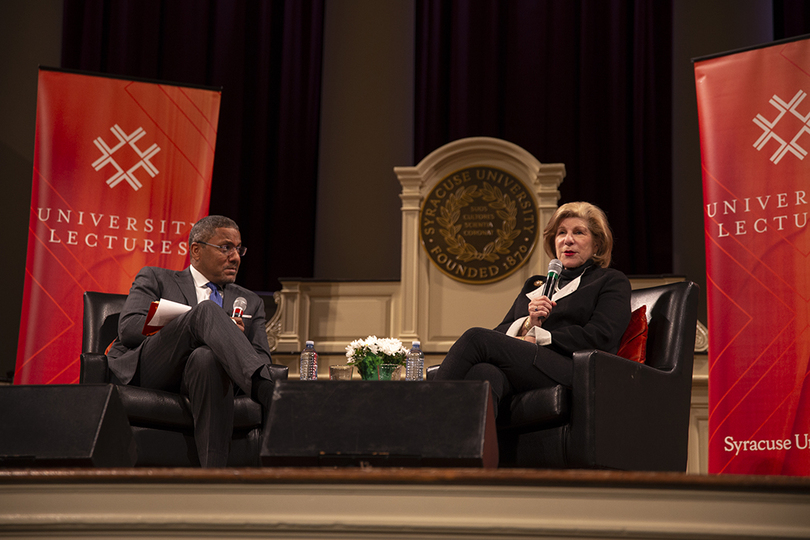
(791, 18)
(266, 56)
(587, 83)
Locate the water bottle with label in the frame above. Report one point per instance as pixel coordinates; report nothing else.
(308, 365)
(414, 363)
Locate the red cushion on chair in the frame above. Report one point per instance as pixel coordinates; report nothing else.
(633, 345)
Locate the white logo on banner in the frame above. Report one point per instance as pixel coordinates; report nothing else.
(108, 159)
(768, 126)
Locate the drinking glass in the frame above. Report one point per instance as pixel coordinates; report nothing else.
(340, 373)
(388, 372)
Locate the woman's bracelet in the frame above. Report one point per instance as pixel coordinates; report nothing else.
(528, 324)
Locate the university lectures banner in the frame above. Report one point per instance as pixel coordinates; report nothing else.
(122, 169)
(754, 118)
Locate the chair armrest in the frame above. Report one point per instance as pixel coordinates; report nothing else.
(279, 372)
(94, 368)
(627, 415)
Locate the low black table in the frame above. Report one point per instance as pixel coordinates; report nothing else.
(381, 423)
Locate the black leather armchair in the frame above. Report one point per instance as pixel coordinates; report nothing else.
(618, 414)
(161, 422)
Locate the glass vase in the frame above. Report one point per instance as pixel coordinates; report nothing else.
(367, 371)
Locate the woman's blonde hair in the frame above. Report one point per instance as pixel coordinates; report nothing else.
(597, 224)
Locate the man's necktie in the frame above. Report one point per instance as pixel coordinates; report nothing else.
(215, 296)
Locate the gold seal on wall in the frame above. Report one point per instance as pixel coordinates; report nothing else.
(478, 225)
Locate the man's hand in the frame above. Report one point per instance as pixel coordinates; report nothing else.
(239, 323)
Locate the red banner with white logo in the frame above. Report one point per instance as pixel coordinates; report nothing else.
(122, 170)
(754, 115)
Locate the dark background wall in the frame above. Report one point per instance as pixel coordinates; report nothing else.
(30, 35)
(366, 130)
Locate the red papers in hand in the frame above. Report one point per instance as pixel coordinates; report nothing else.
(162, 313)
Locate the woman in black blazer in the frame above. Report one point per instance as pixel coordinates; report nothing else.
(534, 344)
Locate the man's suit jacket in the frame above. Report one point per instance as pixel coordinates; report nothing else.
(153, 283)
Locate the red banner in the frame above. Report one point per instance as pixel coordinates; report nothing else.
(754, 117)
(122, 170)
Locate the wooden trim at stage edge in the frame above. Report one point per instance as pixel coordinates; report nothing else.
(397, 503)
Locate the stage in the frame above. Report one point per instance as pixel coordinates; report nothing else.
(368, 502)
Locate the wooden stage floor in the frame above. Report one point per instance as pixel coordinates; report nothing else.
(375, 502)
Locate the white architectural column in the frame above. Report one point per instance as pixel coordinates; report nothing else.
(412, 182)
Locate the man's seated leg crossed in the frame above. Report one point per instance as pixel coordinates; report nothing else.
(204, 352)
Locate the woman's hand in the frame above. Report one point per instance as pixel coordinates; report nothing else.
(539, 310)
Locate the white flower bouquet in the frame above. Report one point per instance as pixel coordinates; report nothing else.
(367, 354)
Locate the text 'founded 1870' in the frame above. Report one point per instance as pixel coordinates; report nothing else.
(479, 224)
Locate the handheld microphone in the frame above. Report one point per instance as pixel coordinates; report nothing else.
(554, 269)
(239, 306)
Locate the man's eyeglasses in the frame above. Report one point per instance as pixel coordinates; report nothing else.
(227, 248)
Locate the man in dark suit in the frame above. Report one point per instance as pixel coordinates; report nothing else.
(203, 352)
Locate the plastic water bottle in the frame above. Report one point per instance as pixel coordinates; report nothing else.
(414, 363)
(308, 366)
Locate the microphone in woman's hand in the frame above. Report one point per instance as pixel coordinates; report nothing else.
(554, 269)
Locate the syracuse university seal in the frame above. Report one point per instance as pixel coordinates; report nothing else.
(479, 224)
